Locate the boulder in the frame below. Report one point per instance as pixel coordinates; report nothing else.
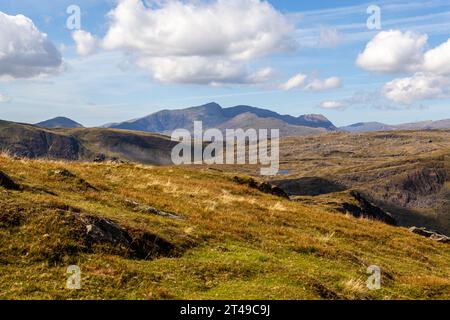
(137, 243)
(7, 182)
(151, 210)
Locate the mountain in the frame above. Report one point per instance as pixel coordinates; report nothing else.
(312, 120)
(59, 122)
(367, 127)
(425, 125)
(249, 120)
(377, 126)
(24, 140)
(214, 116)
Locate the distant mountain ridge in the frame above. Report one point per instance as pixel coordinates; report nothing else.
(214, 116)
(59, 122)
(377, 126)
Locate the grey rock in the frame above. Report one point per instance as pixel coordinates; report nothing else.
(430, 234)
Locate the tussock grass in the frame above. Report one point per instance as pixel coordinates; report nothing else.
(236, 242)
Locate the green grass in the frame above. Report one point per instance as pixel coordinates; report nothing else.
(235, 242)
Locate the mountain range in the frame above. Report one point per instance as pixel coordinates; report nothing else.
(213, 115)
(377, 126)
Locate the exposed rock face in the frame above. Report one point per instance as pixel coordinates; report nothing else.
(7, 182)
(263, 187)
(137, 243)
(26, 141)
(430, 234)
(309, 186)
(31, 142)
(367, 209)
(426, 181)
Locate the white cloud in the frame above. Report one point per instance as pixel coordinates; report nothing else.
(393, 51)
(396, 51)
(313, 84)
(201, 70)
(437, 60)
(332, 104)
(198, 42)
(86, 43)
(261, 76)
(25, 52)
(420, 86)
(296, 81)
(324, 85)
(4, 99)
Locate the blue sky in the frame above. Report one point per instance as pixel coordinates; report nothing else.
(118, 82)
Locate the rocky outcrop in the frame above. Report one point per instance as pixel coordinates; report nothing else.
(309, 186)
(7, 182)
(68, 176)
(367, 209)
(138, 244)
(435, 236)
(136, 206)
(263, 187)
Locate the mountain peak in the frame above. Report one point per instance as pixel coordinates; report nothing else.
(213, 115)
(59, 122)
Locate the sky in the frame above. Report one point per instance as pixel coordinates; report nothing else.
(352, 61)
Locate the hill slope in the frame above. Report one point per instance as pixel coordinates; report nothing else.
(407, 173)
(29, 141)
(140, 232)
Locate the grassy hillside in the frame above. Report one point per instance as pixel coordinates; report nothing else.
(141, 232)
(407, 173)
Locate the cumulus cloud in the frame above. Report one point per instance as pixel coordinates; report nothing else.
(437, 60)
(314, 84)
(396, 51)
(324, 85)
(198, 42)
(296, 81)
(85, 42)
(420, 86)
(25, 52)
(201, 70)
(393, 51)
(332, 105)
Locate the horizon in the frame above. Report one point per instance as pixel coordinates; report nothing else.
(316, 58)
(223, 107)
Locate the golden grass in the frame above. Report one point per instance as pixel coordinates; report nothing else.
(237, 242)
